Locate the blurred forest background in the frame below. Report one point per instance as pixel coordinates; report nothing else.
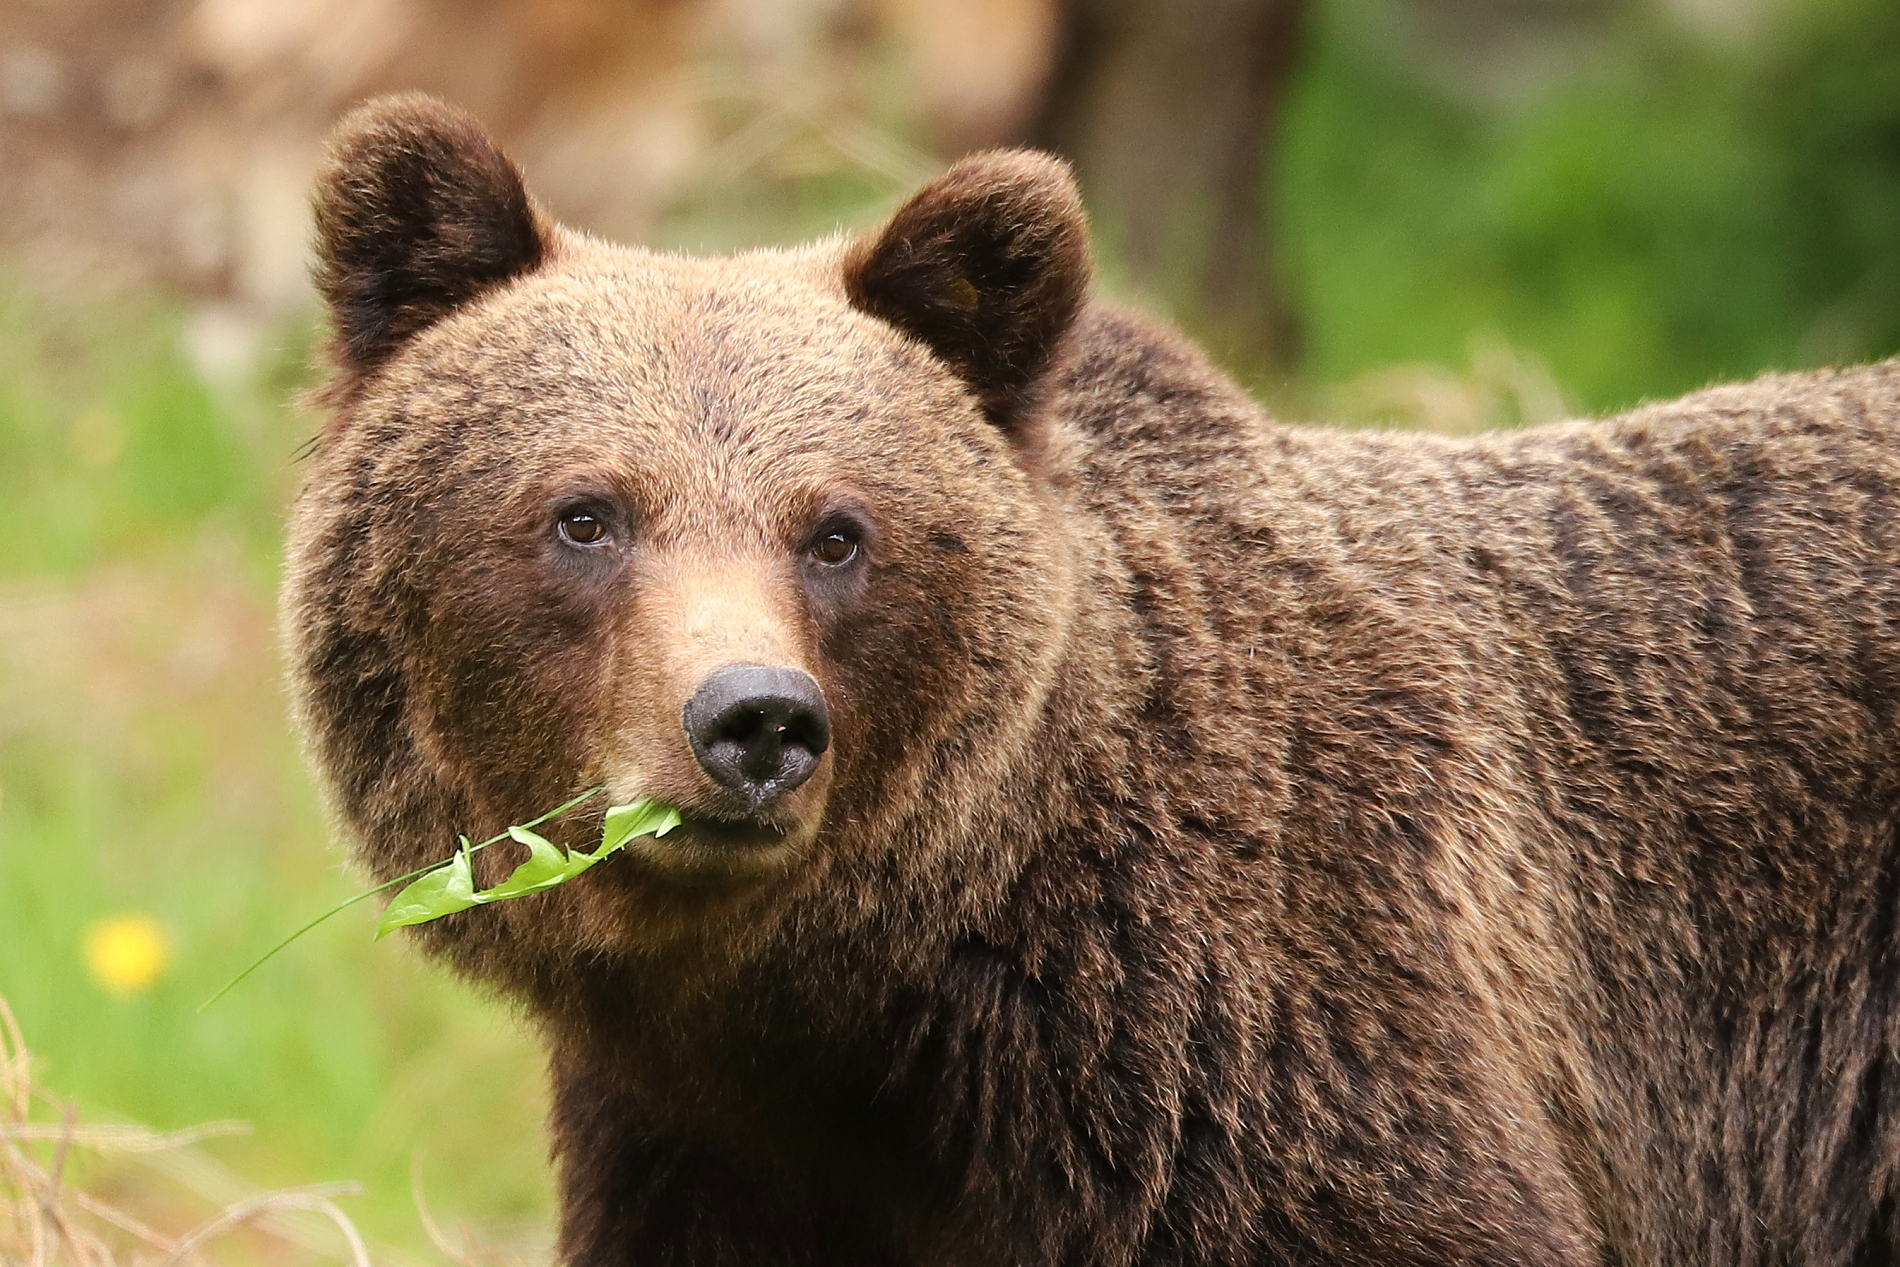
(1446, 213)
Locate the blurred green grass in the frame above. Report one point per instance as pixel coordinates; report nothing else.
(146, 765)
(1666, 213)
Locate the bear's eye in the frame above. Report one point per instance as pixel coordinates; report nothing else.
(835, 547)
(582, 527)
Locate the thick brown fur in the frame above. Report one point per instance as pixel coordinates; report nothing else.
(417, 213)
(988, 269)
(1239, 844)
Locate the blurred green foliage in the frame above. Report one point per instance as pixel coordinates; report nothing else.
(1669, 208)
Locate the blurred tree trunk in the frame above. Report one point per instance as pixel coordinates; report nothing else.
(1169, 111)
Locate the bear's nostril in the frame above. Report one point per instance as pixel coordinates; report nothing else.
(755, 737)
(757, 730)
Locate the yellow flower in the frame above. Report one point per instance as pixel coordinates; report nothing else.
(126, 953)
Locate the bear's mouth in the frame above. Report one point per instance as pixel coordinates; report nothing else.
(737, 834)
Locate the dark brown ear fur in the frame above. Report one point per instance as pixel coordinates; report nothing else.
(417, 213)
(987, 265)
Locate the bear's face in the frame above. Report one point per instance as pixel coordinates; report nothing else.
(757, 536)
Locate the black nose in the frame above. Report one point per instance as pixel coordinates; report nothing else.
(758, 730)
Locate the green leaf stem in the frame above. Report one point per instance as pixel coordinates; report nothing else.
(442, 888)
(451, 887)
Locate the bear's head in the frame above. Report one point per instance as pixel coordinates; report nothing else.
(767, 537)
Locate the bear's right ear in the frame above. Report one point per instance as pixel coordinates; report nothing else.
(417, 213)
(987, 265)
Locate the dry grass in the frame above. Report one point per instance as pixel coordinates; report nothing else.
(1501, 386)
(66, 1196)
(146, 770)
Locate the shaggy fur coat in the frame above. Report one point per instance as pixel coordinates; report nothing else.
(1239, 843)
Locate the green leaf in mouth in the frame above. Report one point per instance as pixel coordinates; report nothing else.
(450, 888)
(443, 891)
(443, 888)
(643, 816)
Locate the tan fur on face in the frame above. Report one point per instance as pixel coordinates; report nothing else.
(700, 610)
(1239, 844)
(726, 453)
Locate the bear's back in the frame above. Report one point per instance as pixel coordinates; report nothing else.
(1644, 671)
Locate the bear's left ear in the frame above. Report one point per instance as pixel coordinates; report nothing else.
(987, 265)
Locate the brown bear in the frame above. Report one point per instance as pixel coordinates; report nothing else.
(1118, 829)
